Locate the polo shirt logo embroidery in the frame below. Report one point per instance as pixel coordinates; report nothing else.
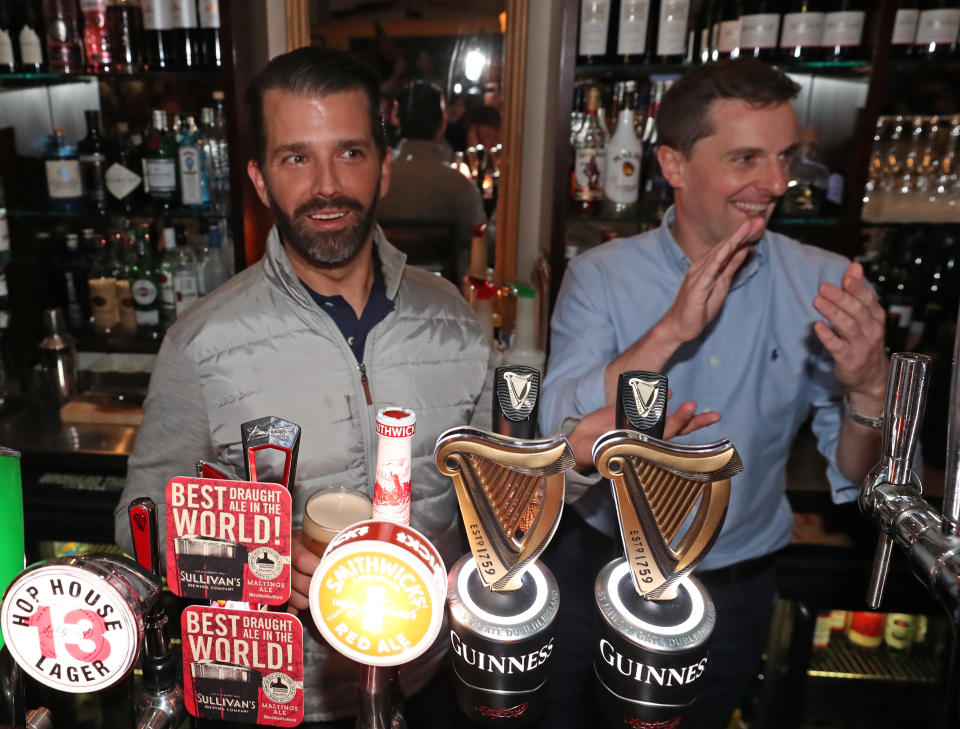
(644, 395)
(519, 388)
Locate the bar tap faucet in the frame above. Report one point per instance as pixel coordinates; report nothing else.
(161, 705)
(891, 498)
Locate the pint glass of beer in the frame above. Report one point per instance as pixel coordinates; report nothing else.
(330, 510)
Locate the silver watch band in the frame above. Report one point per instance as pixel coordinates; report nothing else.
(864, 420)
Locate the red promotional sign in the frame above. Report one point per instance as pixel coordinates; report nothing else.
(242, 665)
(228, 540)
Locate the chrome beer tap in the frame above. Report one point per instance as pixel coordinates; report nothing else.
(161, 705)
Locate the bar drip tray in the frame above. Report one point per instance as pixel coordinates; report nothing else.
(845, 661)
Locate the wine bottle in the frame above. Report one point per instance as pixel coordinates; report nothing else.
(64, 50)
(802, 30)
(125, 28)
(30, 37)
(633, 29)
(937, 29)
(186, 36)
(759, 29)
(843, 30)
(594, 30)
(672, 31)
(211, 55)
(905, 29)
(157, 34)
(96, 39)
(8, 55)
(728, 36)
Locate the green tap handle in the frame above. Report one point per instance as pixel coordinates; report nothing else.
(11, 519)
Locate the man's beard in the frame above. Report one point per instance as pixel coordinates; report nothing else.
(325, 249)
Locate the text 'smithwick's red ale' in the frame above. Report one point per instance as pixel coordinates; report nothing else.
(391, 492)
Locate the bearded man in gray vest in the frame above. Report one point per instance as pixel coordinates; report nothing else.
(326, 329)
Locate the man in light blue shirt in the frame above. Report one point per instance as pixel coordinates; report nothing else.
(756, 330)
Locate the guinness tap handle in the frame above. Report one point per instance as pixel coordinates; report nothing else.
(146, 537)
(902, 413)
(642, 402)
(277, 434)
(516, 401)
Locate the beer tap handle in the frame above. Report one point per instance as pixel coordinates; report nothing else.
(902, 413)
(206, 470)
(146, 537)
(951, 489)
(642, 402)
(274, 433)
(516, 401)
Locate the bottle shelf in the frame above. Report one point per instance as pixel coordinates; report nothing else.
(842, 660)
(42, 78)
(88, 342)
(42, 213)
(854, 67)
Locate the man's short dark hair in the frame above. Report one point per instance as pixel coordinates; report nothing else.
(420, 110)
(683, 117)
(313, 71)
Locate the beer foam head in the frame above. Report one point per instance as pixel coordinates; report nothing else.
(330, 510)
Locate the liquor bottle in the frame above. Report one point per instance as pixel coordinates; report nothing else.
(211, 55)
(672, 18)
(96, 39)
(185, 283)
(194, 185)
(632, 30)
(160, 161)
(728, 36)
(166, 262)
(93, 164)
(843, 30)
(624, 153)
(215, 270)
(937, 29)
(64, 49)
(217, 156)
(759, 29)
(30, 37)
(64, 189)
(157, 34)
(123, 181)
(809, 179)
(802, 30)
(186, 36)
(145, 287)
(657, 193)
(125, 29)
(594, 30)
(123, 247)
(4, 230)
(8, 54)
(102, 282)
(72, 268)
(589, 158)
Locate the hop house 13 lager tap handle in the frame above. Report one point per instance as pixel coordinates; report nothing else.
(503, 602)
(271, 432)
(655, 620)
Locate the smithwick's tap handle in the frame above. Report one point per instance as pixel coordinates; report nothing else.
(516, 401)
(271, 432)
(642, 402)
(902, 413)
(146, 537)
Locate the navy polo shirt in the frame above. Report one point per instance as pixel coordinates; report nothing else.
(355, 330)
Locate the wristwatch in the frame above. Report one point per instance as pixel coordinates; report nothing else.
(864, 420)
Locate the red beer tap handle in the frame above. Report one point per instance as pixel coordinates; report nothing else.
(205, 470)
(274, 433)
(146, 537)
